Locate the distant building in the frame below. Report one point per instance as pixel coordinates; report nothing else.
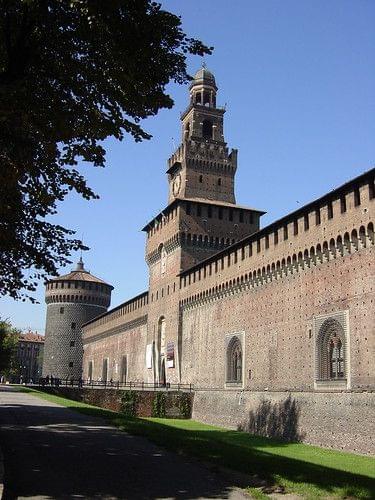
(30, 356)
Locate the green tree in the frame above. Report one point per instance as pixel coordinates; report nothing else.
(9, 337)
(72, 72)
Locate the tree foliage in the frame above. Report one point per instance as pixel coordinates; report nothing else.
(9, 337)
(71, 74)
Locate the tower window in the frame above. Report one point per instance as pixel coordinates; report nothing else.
(230, 215)
(371, 190)
(306, 221)
(71, 364)
(199, 210)
(357, 198)
(295, 227)
(285, 232)
(198, 98)
(330, 210)
(220, 213)
(206, 98)
(219, 181)
(317, 216)
(61, 310)
(72, 343)
(73, 326)
(201, 178)
(207, 129)
(209, 212)
(241, 216)
(343, 204)
(188, 209)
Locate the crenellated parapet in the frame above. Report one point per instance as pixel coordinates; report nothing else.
(339, 224)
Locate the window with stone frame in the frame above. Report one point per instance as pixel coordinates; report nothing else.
(331, 351)
(234, 361)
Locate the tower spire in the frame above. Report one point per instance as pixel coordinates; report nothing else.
(80, 265)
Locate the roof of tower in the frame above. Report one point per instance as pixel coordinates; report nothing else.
(203, 75)
(80, 274)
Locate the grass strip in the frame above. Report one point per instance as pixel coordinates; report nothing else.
(309, 471)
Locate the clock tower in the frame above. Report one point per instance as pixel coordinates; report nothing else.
(200, 219)
(202, 167)
(202, 216)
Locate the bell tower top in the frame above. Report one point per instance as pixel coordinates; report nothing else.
(203, 167)
(203, 88)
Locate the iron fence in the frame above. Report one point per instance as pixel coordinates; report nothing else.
(110, 384)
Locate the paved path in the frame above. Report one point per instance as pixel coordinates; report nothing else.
(53, 452)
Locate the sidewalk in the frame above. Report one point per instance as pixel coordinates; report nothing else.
(53, 452)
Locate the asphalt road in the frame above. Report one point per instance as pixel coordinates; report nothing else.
(53, 452)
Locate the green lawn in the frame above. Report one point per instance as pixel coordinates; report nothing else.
(307, 470)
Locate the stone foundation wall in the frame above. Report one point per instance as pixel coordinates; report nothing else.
(110, 399)
(343, 420)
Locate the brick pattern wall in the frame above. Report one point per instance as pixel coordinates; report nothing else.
(332, 420)
(63, 350)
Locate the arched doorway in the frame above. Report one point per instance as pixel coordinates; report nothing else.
(90, 370)
(163, 379)
(124, 369)
(161, 351)
(105, 370)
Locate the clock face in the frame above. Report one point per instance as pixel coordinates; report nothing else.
(176, 184)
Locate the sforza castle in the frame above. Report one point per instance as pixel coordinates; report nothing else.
(265, 322)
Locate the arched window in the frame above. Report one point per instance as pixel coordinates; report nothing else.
(163, 259)
(124, 369)
(207, 129)
(187, 129)
(331, 351)
(90, 370)
(162, 350)
(105, 370)
(234, 361)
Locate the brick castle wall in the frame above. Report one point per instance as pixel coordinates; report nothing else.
(342, 421)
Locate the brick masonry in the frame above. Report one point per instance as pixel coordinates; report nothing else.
(342, 421)
(216, 278)
(110, 399)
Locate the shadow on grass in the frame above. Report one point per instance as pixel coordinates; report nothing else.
(238, 451)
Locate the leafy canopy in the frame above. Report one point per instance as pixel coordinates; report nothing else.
(9, 337)
(71, 74)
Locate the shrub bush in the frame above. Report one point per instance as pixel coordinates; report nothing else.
(158, 405)
(129, 403)
(184, 404)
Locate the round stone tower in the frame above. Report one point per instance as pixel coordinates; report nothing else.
(72, 300)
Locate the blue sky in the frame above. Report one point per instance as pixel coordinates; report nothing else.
(298, 79)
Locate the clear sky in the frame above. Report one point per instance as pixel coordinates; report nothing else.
(298, 78)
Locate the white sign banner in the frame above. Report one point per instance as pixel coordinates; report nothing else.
(149, 356)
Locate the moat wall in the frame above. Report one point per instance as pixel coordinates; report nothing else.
(110, 399)
(342, 420)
